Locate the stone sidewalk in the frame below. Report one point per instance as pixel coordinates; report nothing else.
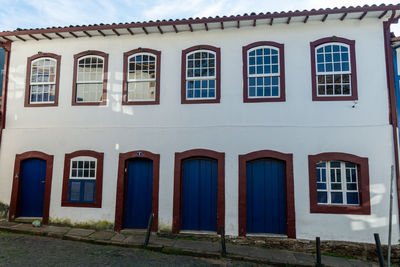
(181, 246)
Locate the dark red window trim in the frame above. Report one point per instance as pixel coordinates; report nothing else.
(121, 184)
(156, 101)
(354, 92)
(7, 48)
(290, 206)
(105, 78)
(99, 179)
(363, 184)
(28, 80)
(217, 51)
(177, 209)
(15, 194)
(282, 96)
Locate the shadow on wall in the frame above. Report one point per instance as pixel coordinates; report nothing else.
(4, 208)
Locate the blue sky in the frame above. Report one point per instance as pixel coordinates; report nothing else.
(45, 13)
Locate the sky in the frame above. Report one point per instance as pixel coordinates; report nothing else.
(47, 13)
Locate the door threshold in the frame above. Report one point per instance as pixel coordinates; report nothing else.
(266, 235)
(27, 219)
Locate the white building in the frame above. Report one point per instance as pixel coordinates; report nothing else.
(266, 124)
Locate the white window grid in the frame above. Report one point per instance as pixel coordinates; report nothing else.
(342, 181)
(83, 164)
(91, 75)
(145, 77)
(44, 73)
(201, 77)
(277, 74)
(335, 85)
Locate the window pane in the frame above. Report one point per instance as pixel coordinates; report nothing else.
(322, 197)
(352, 198)
(337, 197)
(88, 195)
(89, 92)
(139, 91)
(75, 190)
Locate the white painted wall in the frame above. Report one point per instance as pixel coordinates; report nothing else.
(299, 125)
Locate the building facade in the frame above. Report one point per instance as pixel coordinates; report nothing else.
(265, 124)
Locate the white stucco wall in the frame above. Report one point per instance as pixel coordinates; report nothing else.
(299, 125)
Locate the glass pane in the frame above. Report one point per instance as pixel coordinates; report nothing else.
(89, 92)
(322, 197)
(88, 195)
(337, 197)
(75, 190)
(352, 198)
(139, 91)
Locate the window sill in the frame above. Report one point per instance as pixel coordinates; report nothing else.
(266, 99)
(341, 209)
(200, 101)
(139, 103)
(103, 103)
(81, 205)
(334, 98)
(41, 105)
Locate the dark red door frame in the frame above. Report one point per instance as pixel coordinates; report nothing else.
(290, 207)
(16, 187)
(121, 182)
(177, 209)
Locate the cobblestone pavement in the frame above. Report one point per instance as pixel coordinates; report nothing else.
(24, 250)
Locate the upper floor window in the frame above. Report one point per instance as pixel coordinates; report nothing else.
(42, 80)
(333, 69)
(339, 183)
(200, 75)
(263, 72)
(83, 175)
(90, 78)
(141, 77)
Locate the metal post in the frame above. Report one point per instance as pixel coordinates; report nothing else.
(379, 250)
(318, 254)
(149, 226)
(223, 245)
(390, 215)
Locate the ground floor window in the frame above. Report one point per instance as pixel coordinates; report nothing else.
(339, 183)
(83, 174)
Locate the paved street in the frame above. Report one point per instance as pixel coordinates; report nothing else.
(24, 250)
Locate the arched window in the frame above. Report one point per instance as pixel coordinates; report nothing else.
(264, 77)
(90, 78)
(83, 176)
(42, 80)
(201, 70)
(141, 77)
(333, 69)
(339, 183)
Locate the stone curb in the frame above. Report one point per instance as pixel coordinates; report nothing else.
(153, 247)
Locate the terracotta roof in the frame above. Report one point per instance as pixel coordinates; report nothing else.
(195, 24)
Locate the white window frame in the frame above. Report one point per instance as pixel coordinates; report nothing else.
(128, 80)
(101, 81)
(343, 182)
(263, 75)
(31, 83)
(333, 72)
(83, 158)
(201, 78)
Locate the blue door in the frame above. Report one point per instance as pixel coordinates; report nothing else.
(266, 196)
(139, 193)
(199, 195)
(33, 178)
